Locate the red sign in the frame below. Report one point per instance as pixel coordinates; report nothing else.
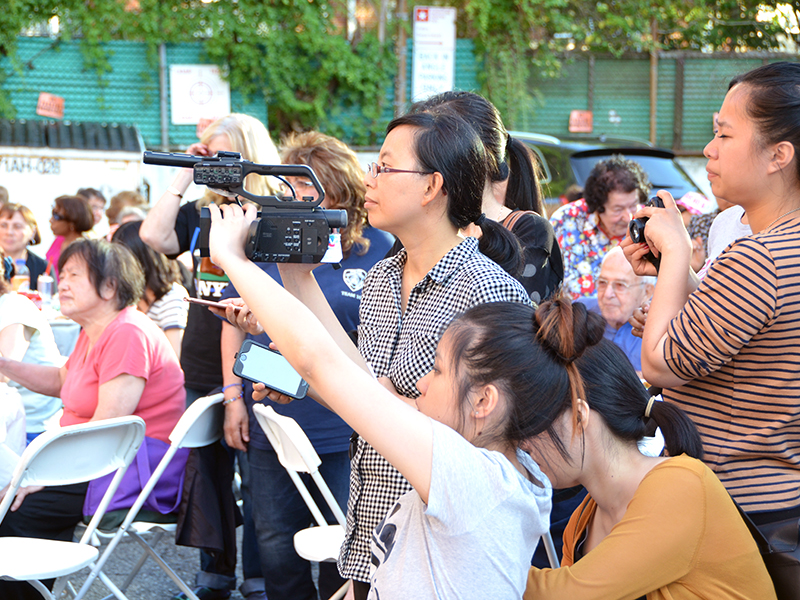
(50, 106)
(580, 121)
(421, 13)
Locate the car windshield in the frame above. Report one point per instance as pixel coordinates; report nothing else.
(664, 173)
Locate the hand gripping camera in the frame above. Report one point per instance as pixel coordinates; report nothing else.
(636, 231)
(287, 230)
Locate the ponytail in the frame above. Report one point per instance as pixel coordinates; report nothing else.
(524, 191)
(502, 246)
(679, 431)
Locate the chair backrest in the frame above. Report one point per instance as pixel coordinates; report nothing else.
(297, 455)
(291, 444)
(77, 453)
(201, 423)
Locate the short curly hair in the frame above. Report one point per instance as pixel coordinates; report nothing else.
(617, 174)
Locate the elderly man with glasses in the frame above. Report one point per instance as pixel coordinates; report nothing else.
(588, 228)
(619, 292)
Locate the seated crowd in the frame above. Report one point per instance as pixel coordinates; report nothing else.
(497, 390)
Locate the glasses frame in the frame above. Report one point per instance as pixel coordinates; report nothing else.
(619, 287)
(374, 169)
(57, 216)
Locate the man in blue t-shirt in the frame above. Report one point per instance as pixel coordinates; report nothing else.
(619, 292)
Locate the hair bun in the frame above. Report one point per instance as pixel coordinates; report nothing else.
(567, 328)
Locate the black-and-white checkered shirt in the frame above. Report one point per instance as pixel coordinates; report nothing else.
(402, 347)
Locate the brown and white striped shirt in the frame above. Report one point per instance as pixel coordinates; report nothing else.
(738, 341)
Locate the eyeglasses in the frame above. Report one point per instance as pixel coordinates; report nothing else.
(616, 211)
(374, 169)
(619, 287)
(58, 217)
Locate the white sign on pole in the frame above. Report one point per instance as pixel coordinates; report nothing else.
(434, 51)
(197, 92)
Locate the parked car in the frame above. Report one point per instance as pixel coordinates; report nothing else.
(565, 162)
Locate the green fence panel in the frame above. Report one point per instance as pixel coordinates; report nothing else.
(554, 99)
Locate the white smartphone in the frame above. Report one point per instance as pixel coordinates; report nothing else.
(258, 363)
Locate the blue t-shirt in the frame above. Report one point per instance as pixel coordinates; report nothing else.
(342, 288)
(622, 337)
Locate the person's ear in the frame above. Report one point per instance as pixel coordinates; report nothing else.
(108, 290)
(649, 288)
(434, 186)
(487, 402)
(582, 414)
(782, 156)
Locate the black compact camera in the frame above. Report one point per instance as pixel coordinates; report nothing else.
(288, 229)
(636, 230)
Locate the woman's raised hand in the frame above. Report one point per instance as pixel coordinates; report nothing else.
(229, 228)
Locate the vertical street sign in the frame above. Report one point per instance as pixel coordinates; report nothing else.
(434, 51)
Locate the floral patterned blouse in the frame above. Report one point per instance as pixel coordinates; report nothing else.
(583, 245)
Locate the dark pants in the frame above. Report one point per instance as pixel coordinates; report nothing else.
(279, 512)
(215, 571)
(50, 514)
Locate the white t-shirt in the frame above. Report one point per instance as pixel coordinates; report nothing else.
(726, 229)
(476, 535)
(42, 350)
(12, 432)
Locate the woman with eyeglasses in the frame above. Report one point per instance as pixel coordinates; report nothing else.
(18, 230)
(71, 218)
(426, 186)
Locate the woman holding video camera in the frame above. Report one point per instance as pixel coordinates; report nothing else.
(278, 510)
(172, 228)
(727, 352)
(427, 185)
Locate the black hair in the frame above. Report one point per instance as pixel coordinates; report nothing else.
(615, 392)
(544, 361)
(617, 174)
(506, 157)
(774, 103)
(529, 354)
(108, 264)
(445, 143)
(159, 271)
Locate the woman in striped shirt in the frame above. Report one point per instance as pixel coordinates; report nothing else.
(728, 350)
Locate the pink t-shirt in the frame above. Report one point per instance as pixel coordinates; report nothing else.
(53, 254)
(131, 344)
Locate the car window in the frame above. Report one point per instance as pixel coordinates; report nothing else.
(559, 171)
(664, 174)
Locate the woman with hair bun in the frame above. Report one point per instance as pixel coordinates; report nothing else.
(660, 527)
(427, 185)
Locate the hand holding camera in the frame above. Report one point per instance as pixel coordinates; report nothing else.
(657, 229)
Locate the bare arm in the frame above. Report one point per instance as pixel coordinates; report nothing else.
(237, 426)
(401, 434)
(14, 342)
(37, 378)
(158, 229)
(175, 339)
(667, 235)
(299, 280)
(118, 397)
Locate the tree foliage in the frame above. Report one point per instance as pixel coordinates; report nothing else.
(525, 40)
(292, 54)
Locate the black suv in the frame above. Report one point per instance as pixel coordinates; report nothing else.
(569, 161)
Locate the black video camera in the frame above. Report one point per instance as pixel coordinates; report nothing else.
(636, 231)
(287, 230)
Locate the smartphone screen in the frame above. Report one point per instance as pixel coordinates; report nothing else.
(256, 362)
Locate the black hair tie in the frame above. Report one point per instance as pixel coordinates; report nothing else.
(479, 221)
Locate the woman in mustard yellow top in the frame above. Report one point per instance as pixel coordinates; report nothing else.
(651, 527)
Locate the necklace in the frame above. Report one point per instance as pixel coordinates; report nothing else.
(767, 228)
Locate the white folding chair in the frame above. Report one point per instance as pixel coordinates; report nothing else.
(65, 456)
(297, 455)
(199, 426)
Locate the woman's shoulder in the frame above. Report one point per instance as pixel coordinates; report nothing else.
(682, 475)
